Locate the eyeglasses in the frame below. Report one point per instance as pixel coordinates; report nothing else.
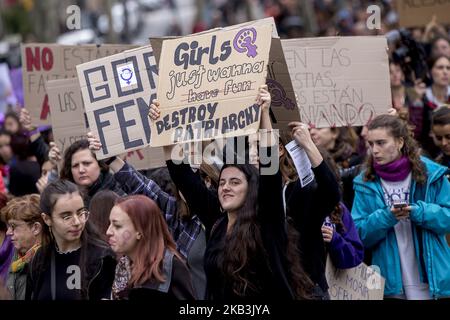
(14, 226)
(82, 216)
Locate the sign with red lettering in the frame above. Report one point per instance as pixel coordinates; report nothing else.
(43, 62)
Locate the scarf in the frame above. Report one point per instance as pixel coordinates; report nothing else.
(121, 277)
(20, 262)
(394, 171)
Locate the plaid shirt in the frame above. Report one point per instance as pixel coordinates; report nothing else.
(184, 232)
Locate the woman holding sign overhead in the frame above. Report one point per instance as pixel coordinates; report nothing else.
(402, 213)
(307, 203)
(248, 253)
(81, 167)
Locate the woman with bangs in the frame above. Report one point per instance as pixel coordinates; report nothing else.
(76, 264)
(150, 267)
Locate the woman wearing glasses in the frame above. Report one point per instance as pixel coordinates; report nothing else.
(26, 228)
(76, 264)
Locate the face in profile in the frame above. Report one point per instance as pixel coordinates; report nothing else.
(324, 137)
(23, 234)
(122, 235)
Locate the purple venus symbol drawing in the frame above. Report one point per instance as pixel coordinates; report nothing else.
(244, 41)
(126, 75)
(279, 98)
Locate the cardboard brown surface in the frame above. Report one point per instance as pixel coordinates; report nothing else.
(358, 283)
(418, 13)
(212, 94)
(66, 111)
(117, 92)
(43, 62)
(339, 81)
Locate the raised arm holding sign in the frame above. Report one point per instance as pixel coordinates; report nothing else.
(208, 82)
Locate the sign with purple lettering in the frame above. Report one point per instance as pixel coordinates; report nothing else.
(208, 84)
(339, 81)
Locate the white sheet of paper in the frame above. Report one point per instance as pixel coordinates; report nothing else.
(301, 162)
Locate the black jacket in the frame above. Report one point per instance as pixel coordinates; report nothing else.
(100, 271)
(105, 181)
(270, 271)
(308, 208)
(178, 284)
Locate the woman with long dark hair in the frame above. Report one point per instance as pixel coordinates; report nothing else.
(76, 264)
(402, 213)
(248, 253)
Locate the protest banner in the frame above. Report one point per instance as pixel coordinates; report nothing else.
(69, 123)
(208, 84)
(418, 13)
(146, 158)
(66, 112)
(339, 81)
(284, 107)
(359, 283)
(117, 92)
(42, 62)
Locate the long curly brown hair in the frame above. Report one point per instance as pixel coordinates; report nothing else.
(398, 128)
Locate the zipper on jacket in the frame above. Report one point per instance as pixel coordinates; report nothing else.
(93, 278)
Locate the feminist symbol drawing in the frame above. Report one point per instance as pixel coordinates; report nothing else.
(244, 41)
(279, 98)
(126, 75)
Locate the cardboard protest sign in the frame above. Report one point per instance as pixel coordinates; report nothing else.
(339, 81)
(43, 62)
(359, 283)
(66, 111)
(70, 124)
(284, 107)
(117, 92)
(418, 13)
(208, 85)
(146, 158)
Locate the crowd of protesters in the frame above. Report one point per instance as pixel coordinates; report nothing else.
(76, 228)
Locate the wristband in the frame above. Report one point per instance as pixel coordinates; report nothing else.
(110, 160)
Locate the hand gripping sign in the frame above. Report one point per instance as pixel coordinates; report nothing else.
(208, 84)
